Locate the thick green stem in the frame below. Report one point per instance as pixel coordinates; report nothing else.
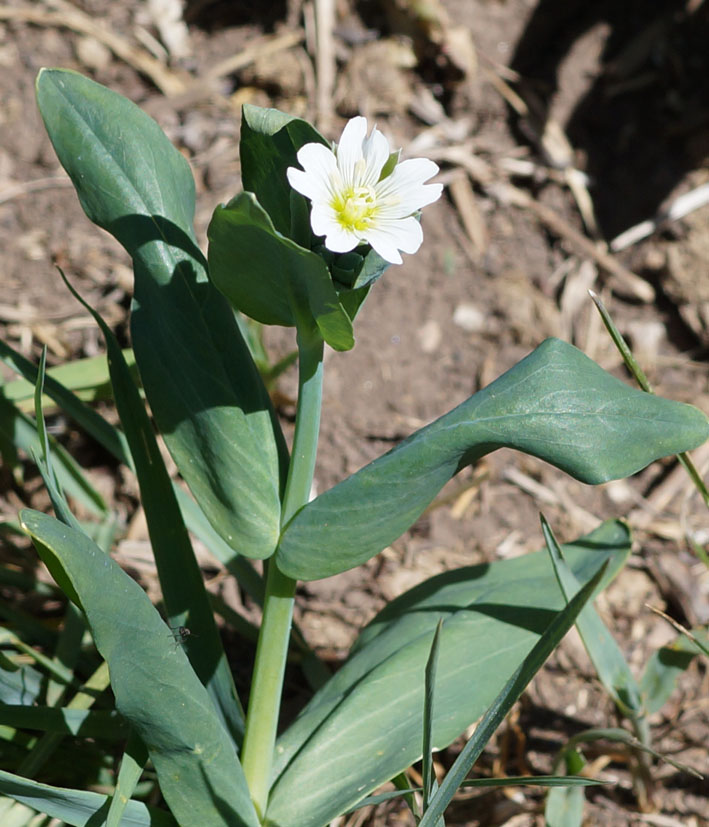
(272, 649)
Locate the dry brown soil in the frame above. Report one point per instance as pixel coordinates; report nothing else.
(616, 89)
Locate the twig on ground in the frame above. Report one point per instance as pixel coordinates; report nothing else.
(505, 193)
(65, 15)
(173, 83)
(680, 207)
(464, 199)
(626, 280)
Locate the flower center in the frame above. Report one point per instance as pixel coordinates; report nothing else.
(355, 207)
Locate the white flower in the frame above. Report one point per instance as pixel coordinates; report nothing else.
(359, 192)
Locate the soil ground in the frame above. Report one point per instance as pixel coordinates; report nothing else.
(541, 115)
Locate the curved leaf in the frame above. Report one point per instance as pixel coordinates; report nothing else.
(364, 726)
(269, 143)
(269, 277)
(155, 688)
(183, 590)
(555, 404)
(77, 807)
(204, 390)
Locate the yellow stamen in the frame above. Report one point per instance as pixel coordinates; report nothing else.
(356, 207)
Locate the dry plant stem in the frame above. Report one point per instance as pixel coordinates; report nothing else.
(272, 648)
(67, 16)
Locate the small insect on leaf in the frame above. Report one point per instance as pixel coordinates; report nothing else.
(180, 634)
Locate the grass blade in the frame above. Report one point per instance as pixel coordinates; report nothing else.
(504, 701)
(430, 683)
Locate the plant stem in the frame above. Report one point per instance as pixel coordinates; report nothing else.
(272, 648)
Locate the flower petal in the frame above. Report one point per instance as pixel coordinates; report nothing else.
(405, 190)
(320, 175)
(387, 237)
(338, 239)
(323, 219)
(341, 240)
(349, 150)
(375, 150)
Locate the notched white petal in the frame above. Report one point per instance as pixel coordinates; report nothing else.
(359, 192)
(386, 246)
(349, 150)
(323, 219)
(402, 234)
(341, 240)
(375, 150)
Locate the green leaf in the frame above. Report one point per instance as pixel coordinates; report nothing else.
(428, 706)
(155, 688)
(665, 666)
(184, 594)
(503, 703)
(364, 725)
(133, 762)
(21, 433)
(564, 807)
(623, 737)
(555, 404)
(608, 661)
(114, 441)
(19, 684)
(83, 723)
(77, 807)
(194, 365)
(269, 143)
(270, 278)
(87, 378)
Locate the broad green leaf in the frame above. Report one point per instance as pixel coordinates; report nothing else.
(270, 278)
(204, 390)
(665, 666)
(555, 404)
(564, 806)
(605, 654)
(18, 684)
(364, 725)
(498, 709)
(184, 594)
(269, 143)
(154, 685)
(77, 807)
